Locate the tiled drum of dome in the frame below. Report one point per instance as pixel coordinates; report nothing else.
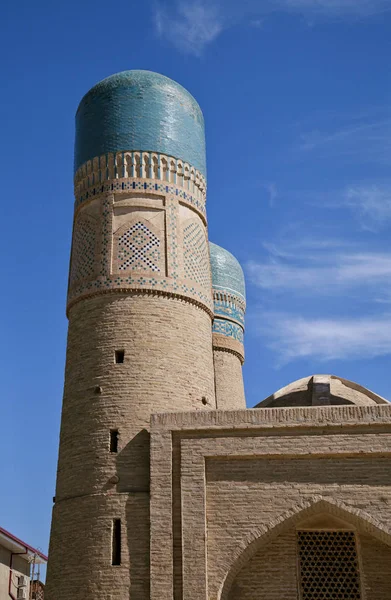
(195, 254)
(83, 249)
(229, 329)
(328, 565)
(138, 249)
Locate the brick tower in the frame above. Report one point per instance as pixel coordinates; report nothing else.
(228, 328)
(140, 314)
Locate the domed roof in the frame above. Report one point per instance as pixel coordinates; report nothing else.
(227, 274)
(140, 110)
(321, 390)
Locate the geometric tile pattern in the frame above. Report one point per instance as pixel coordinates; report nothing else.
(229, 308)
(106, 280)
(83, 249)
(128, 184)
(229, 329)
(196, 254)
(328, 565)
(138, 249)
(227, 274)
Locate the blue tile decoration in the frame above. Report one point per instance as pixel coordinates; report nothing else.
(229, 309)
(140, 109)
(229, 329)
(117, 185)
(157, 282)
(195, 253)
(229, 294)
(83, 249)
(227, 274)
(138, 249)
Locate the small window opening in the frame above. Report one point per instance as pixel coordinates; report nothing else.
(116, 543)
(119, 356)
(114, 440)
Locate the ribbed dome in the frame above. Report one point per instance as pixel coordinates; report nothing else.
(140, 110)
(227, 274)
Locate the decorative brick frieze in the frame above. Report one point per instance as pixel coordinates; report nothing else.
(228, 329)
(229, 306)
(140, 170)
(177, 262)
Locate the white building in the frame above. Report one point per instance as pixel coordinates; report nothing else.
(19, 563)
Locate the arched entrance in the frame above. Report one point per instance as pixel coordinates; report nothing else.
(323, 551)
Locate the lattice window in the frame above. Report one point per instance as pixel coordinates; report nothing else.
(328, 565)
(138, 249)
(196, 256)
(83, 249)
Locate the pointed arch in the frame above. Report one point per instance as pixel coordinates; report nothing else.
(164, 169)
(172, 171)
(261, 536)
(179, 177)
(128, 164)
(145, 166)
(137, 162)
(155, 167)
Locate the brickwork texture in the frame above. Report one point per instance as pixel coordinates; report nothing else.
(167, 488)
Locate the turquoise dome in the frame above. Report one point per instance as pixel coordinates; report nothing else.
(227, 274)
(140, 110)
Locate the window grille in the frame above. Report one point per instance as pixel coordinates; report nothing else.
(328, 565)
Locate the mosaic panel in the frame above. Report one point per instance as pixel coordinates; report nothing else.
(138, 249)
(229, 309)
(139, 282)
(83, 249)
(127, 184)
(328, 565)
(172, 251)
(130, 280)
(228, 329)
(195, 254)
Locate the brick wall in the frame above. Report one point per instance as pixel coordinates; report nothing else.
(226, 485)
(229, 380)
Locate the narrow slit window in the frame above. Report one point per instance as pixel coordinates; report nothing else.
(113, 440)
(116, 543)
(119, 356)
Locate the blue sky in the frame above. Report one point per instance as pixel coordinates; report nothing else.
(296, 98)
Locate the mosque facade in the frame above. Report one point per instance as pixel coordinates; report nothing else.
(168, 488)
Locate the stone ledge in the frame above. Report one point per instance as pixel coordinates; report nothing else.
(331, 416)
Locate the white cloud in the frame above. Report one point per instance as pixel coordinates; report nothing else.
(365, 142)
(294, 337)
(326, 276)
(325, 271)
(371, 203)
(336, 8)
(191, 25)
(271, 189)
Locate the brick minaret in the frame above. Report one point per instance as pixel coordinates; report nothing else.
(140, 312)
(229, 298)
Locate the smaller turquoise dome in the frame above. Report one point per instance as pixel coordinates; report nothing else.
(227, 274)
